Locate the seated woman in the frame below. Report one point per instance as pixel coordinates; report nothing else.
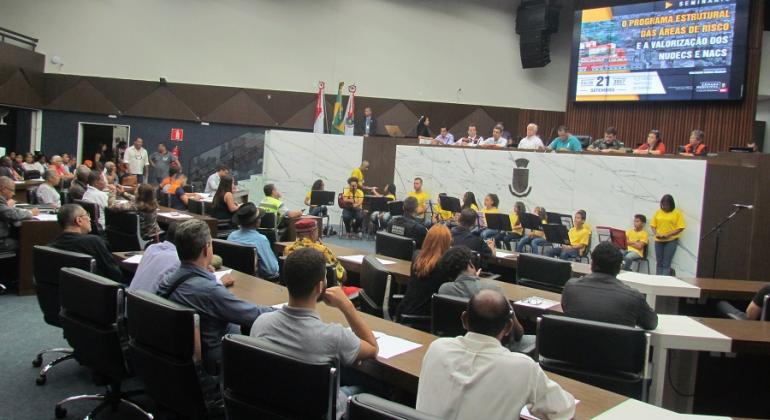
(352, 210)
(223, 205)
(695, 147)
(320, 211)
(440, 215)
(653, 146)
(490, 206)
(427, 276)
(380, 219)
(145, 204)
(504, 238)
(533, 238)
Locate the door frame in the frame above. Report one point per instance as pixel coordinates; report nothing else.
(80, 135)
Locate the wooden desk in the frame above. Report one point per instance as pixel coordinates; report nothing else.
(725, 288)
(403, 370)
(31, 233)
(164, 220)
(20, 194)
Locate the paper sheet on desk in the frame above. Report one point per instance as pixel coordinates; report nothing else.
(544, 303)
(46, 217)
(525, 414)
(134, 259)
(175, 215)
(393, 346)
(633, 409)
(220, 274)
(359, 259)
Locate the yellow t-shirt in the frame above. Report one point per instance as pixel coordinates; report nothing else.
(441, 213)
(515, 221)
(485, 211)
(358, 198)
(390, 197)
(421, 197)
(474, 207)
(665, 223)
(634, 236)
(358, 174)
(582, 237)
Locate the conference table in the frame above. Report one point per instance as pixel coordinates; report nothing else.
(168, 215)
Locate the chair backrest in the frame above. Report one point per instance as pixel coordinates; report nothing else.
(610, 356)
(375, 283)
(263, 380)
(237, 256)
(765, 309)
(165, 351)
(542, 272)
(585, 140)
(92, 309)
(396, 208)
(47, 262)
(123, 230)
(445, 315)
(268, 221)
(371, 407)
(394, 246)
(93, 213)
(32, 195)
(187, 188)
(196, 206)
(32, 174)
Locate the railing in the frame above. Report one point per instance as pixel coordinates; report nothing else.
(15, 38)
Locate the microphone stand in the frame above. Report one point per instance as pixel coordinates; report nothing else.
(718, 230)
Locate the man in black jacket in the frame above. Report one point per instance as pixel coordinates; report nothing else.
(462, 235)
(600, 296)
(368, 125)
(407, 225)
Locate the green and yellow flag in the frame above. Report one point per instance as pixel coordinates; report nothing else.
(338, 123)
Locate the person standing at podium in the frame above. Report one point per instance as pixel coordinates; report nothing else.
(667, 225)
(368, 126)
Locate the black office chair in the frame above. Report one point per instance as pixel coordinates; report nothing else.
(196, 206)
(396, 208)
(645, 259)
(32, 174)
(92, 316)
(445, 315)
(584, 140)
(237, 256)
(165, 352)
(224, 226)
(93, 213)
(8, 266)
(587, 252)
(32, 195)
(371, 407)
(726, 310)
(542, 273)
(187, 188)
(376, 291)
(610, 356)
(46, 263)
(282, 377)
(394, 246)
(268, 226)
(123, 231)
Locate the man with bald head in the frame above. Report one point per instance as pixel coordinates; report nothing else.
(80, 183)
(474, 376)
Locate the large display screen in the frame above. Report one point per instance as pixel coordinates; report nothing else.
(674, 50)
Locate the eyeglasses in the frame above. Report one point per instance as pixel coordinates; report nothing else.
(86, 215)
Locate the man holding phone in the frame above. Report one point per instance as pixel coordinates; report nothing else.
(298, 328)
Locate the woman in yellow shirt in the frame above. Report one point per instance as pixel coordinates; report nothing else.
(636, 241)
(469, 201)
(491, 201)
(667, 225)
(504, 238)
(320, 211)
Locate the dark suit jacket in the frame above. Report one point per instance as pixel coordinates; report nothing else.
(361, 126)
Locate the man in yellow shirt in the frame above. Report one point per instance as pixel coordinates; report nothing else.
(420, 195)
(579, 237)
(352, 211)
(637, 240)
(358, 173)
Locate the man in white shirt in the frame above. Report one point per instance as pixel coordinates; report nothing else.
(497, 141)
(137, 159)
(95, 194)
(472, 139)
(212, 183)
(474, 376)
(46, 192)
(445, 137)
(532, 141)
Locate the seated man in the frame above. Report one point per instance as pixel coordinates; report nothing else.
(76, 226)
(212, 183)
(46, 192)
(475, 377)
(96, 194)
(192, 285)
(565, 141)
(10, 215)
(248, 216)
(497, 141)
(307, 237)
(462, 235)
(79, 185)
(579, 237)
(532, 141)
(272, 204)
(352, 212)
(471, 139)
(636, 239)
(609, 143)
(458, 264)
(407, 225)
(421, 196)
(298, 328)
(600, 296)
(158, 262)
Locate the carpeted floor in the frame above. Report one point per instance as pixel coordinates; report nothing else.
(23, 333)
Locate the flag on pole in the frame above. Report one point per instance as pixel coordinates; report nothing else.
(320, 110)
(349, 120)
(338, 123)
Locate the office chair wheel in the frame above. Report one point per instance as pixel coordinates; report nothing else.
(60, 412)
(37, 362)
(40, 380)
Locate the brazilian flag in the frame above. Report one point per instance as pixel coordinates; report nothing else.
(338, 123)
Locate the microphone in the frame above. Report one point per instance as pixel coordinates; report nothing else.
(744, 206)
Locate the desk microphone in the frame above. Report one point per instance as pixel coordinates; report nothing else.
(744, 206)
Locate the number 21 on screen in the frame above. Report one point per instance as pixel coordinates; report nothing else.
(603, 81)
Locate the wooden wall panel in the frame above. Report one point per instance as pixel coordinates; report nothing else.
(726, 124)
